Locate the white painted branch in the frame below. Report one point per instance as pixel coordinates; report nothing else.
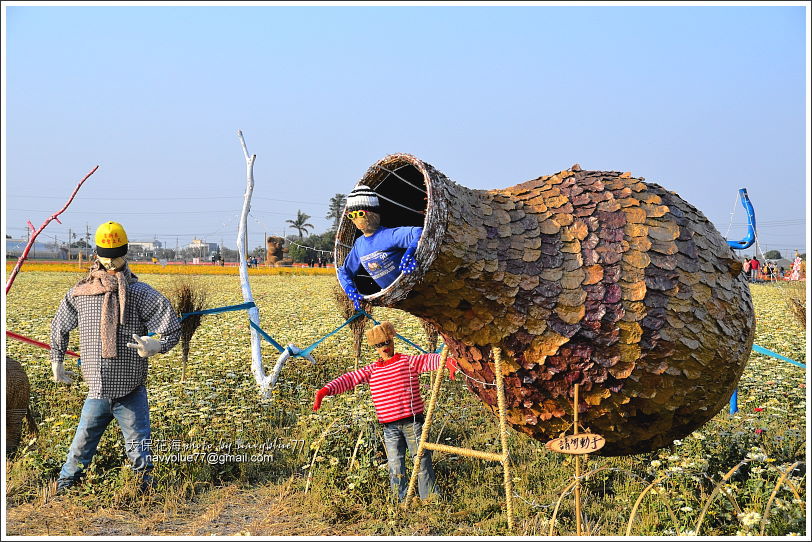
(291, 350)
(253, 313)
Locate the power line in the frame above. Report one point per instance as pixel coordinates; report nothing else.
(173, 212)
(178, 198)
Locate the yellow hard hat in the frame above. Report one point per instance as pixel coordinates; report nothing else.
(111, 240)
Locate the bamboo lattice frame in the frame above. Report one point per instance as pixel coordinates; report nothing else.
(503, 458)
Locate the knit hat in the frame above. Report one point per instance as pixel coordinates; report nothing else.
(362, 197)
(381, 333)
(111, 240)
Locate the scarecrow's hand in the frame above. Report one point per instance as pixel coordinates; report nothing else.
(319, 396)
(408, 263)
(451, 365)
(354, 296)
(147, 346)
(60, 374)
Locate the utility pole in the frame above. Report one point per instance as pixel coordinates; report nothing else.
(265, 242)
(28, 233)
(87, 240)
(69, 247)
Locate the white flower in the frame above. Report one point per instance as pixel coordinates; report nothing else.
(698, 435)
(686, 509)
(749, 519)
(678, 442)
(757, 456)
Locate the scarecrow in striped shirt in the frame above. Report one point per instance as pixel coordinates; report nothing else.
(395, 385)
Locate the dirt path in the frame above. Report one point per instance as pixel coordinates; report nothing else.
(263, 511)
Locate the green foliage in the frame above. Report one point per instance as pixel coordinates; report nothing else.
(773, 255)
(301, 254)
(300, 223)
(336, 208)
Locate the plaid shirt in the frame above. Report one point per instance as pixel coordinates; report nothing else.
(110, 378)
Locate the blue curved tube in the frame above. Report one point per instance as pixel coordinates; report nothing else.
(750, 238)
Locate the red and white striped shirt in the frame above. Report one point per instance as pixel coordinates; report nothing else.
(394, 383)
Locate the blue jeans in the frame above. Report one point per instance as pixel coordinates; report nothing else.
(132, 414)
(397, 436)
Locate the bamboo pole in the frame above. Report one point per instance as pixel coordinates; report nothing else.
(500, 399)
(784, 478)
(429, 414)
(476, 454)
(716, 490)
(503, 458)
(577, 468)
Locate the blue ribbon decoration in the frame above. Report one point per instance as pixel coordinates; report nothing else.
(762, 350)
(267, 337)
(243, 306)
(750, 238)
(306, 352)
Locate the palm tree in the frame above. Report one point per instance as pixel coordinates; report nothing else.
(337, 204)
(300, 224)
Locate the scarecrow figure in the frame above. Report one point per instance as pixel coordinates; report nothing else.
(395, 385)
(108, 306)
(383, 252)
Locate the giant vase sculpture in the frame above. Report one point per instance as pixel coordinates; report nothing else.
(582, 277)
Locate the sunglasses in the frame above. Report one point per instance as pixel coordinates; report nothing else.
(381, 345)
(356, 214)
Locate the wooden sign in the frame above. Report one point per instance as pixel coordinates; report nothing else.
(578, 444)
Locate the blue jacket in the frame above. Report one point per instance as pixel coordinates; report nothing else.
(379, 254)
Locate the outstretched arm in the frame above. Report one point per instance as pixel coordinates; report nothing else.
(429, 362)
(343, 383)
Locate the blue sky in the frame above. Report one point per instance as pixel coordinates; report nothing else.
(701, 100)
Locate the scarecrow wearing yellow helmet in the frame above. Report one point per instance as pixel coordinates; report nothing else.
(108, 306)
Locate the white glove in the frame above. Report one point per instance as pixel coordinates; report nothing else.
(60, 374)
(147, 346)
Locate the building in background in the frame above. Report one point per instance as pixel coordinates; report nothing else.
(40, 250)
(200, 249)
(144, 249)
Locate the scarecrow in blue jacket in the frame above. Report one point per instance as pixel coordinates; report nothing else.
(384, 253)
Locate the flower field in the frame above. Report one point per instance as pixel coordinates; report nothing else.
(332, 462)
(176, 269)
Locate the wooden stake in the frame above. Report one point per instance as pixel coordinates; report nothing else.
(502, 458)
(500, 401)
(577, 468)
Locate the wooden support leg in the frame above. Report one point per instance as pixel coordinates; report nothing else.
(503, 458)
(500, 398)
(429, 414)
